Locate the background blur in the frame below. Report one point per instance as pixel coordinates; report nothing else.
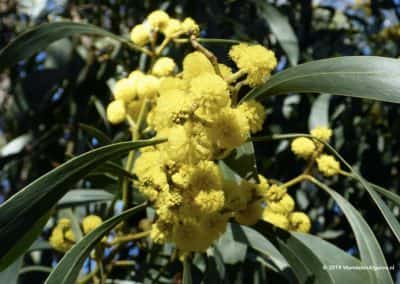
(44, 100)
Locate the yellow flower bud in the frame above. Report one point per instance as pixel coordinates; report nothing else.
(164, 66)
(276, 219)
(116, 112)
(173, 28)
(322, 133)
(284, 206)
(140, 35)
(158, 19)
(190, 26)
(328, 165)
(299, 222)
(124, 90)
(275, 193)
(91, 222)
(303, 147)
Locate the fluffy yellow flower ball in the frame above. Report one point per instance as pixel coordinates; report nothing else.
(149, 167)
(303, 147)
(189, 236)
(205, 175)
(255, 114)
(158, 19)
(140, 35)
(196, 63)
(328, 165)
(276, 219)
(164, 66)
(124, 90)
(116, 112)
(322, 133)
(299, 222)
(158, 234)
(210, 93)
(229, 129)
(256, 60)
(251, 214)
(209, 201)
(190, 26)
(91, 222)
(187, 144)
(173, 107)
(284, 206)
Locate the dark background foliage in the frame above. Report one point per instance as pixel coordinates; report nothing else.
(44, 99)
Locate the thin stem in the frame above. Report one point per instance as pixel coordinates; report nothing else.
(130, 237)
(161, 47)
(294, 181)
(209, 40)
(129, 163)
(124, 263)
(236, 76)
(213, 59)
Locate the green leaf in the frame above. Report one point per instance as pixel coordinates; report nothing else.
(255, 240)
(385, 210)
(307, 265)
(215, 269)
(370, 251)
(187, 271)
(22, 242)
(78, 197)
(114, 169)
(335, 260)
(232, 251)
(280, 26)
(24, 208)
(10, 275)
(387, 193)
(319, 114)
(242, 160)
(368, 77)
(68, 268)
(38, 37)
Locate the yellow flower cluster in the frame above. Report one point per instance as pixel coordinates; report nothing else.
(62, 237)
(279, 211)
(194, 109)
(160, 21)
(194, 112)
(305, 148)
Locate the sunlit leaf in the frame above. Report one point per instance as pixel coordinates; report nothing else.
(368, 77)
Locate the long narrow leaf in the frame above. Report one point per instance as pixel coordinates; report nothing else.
(38, 37)
(32, 202)
(368, 77)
